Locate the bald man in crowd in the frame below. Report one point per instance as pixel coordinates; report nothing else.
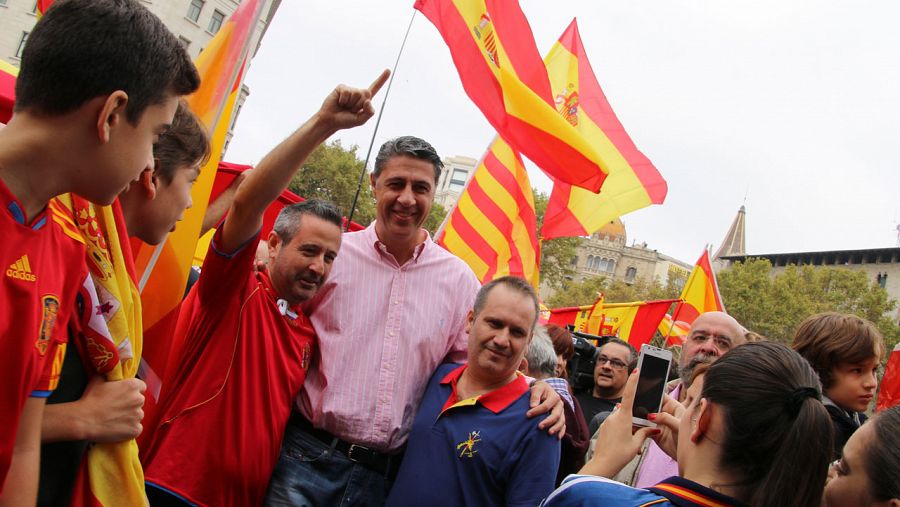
(712, 335)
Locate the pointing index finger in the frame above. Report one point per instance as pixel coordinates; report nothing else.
(379, 82)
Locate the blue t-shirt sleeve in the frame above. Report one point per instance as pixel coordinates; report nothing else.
(534, 472)
(588, 490)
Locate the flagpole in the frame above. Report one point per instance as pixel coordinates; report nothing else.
(387, 92)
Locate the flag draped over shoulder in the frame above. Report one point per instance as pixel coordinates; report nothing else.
(700, 295)
(889, 391)
(492, 227)
(500, 68)
(110, 341)
(163, 269)
(634, 322)
(633, 182)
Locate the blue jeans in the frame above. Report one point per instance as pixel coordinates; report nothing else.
(312, 473)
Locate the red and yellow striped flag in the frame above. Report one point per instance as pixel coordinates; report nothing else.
(42, 5)
(633, 182)
(635, 322)
(699, 295)
(163, 270)
(501, 70)
(492, 227)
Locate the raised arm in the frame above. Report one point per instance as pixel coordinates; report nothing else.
(344, 108)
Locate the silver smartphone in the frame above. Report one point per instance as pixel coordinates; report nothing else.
(653, 373)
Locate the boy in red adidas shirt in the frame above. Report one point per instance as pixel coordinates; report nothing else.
(85, 119)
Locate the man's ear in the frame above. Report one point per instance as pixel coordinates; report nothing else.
(372, 181)
(273, 241)
(112, 114)
(701, 419)
(470, 318)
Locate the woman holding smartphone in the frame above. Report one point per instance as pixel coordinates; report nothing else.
(757, 435)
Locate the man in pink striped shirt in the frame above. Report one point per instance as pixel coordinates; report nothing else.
(393, 309)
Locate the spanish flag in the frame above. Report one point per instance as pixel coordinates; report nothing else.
(699, 295)
(163, 270)
(500, 68)
(492, 227)
(111, 473)
(889, 391)
(634, 322)
(633, 182)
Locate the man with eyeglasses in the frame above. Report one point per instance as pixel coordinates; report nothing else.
(615, 359)
(712, 335)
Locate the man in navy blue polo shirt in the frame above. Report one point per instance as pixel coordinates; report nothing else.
(470, 443)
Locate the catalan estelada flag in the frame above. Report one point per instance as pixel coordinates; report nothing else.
(699, 295)
(501, 70)
(492, 227)
(633, 182)
(889, 390)
(634, 322)
(42, 6)
(163, 270)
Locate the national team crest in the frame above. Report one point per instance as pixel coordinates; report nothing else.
(51, 310)
(567, 105)
(467, 447)
(484, 30)
(304, 358)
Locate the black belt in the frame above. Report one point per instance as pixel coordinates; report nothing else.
(380, 462)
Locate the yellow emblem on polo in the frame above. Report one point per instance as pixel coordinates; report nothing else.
(468, 445)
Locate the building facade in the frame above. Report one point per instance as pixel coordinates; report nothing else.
(606, 253)
(195, 22)
(456, 174)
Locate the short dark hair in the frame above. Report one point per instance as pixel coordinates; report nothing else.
(408, 146)
(882, 458)
(632, 352)
(562, 341)
(184, 144)
(773, 419)
(83, 49)
(511, 282)
(288, 221)
(830, 339)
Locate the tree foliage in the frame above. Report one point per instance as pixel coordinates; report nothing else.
(775, 306)
(557, 253)
(435, 218)
(614, 291)
(331, 173)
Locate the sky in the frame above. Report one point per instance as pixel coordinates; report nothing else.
(791, 108)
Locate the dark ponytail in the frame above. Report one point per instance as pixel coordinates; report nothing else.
(778, 435)
(882, 458)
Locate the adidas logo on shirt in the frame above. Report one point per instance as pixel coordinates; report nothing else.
(21, 269)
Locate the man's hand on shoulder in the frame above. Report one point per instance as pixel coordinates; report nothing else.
(348, 107)
(543, 400)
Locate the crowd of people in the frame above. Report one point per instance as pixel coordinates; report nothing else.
(352, 368)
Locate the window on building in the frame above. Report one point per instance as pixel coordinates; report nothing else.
(630, 273)
(458, 180)
(194, 10)
(215, 23)
(590, 262)
(602, 264)
(21, 45)
(184, 41)
(612, 266)
(3, 2)
(881, 279)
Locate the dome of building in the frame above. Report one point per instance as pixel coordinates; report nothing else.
(615, 229)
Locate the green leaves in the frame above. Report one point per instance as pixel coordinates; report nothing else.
(775, 306)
